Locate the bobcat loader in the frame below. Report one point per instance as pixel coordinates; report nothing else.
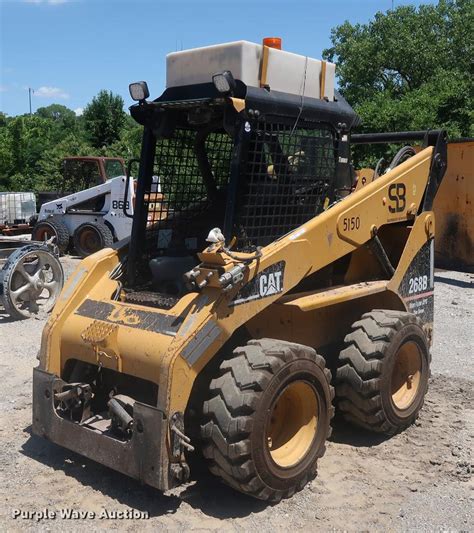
(264, 290)
(92, 219)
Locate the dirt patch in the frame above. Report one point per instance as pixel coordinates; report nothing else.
(420, 479)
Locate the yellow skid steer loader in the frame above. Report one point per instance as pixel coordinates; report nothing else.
(260, 294)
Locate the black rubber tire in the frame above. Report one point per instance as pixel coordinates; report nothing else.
(365, 367)
(103, 235)
(49, 227)
(237, 411)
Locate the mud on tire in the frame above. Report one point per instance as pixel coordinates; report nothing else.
(383, 371)
(239, 414)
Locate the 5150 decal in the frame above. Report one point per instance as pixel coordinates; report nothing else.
(350, 223)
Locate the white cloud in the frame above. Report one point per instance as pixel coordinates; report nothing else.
(51, 92)
(79, 111)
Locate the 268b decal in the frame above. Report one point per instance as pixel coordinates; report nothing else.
(417, 285)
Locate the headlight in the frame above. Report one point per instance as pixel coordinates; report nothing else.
(224, 82)
(139, 91)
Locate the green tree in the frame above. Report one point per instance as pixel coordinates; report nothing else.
(104, 118)
(129, 143)
(27, 138)
(410, 68)
(61, 115)
(5, 156)
(63, 121)
(32, 147)
(50, 176)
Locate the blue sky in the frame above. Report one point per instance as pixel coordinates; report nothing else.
(67, 50)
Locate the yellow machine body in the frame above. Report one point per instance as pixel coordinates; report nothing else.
(170, 348)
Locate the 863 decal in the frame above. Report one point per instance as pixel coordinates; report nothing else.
(120, 204)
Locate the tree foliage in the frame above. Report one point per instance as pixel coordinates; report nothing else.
(33, 147)
(410, 68)
(62, 116)
(104, 119)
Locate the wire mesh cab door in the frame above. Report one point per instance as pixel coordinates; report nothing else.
(287, 177)
(181, 196)
(257, 184)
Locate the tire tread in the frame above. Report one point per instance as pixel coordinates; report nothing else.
(233, 398)
(358, 379)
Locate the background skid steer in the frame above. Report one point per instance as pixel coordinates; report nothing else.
(257, 294)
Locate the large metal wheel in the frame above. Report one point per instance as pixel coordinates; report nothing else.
(383, 371)
(267, 418)
(31, 281)
(406, 375)
(293, 422)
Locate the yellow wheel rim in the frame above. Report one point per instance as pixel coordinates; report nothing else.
(406, 375)
(293, 423)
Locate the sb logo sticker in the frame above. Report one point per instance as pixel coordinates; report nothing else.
(397, 194)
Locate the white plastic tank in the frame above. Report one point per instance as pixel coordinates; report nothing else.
(16, 207)
(285, 71)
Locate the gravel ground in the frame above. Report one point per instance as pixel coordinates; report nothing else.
(418, 480)
(453, 331)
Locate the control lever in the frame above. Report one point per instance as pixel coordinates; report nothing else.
(121, 418)
(74, 396)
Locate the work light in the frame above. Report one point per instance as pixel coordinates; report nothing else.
(224, 82)
(139, 91)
